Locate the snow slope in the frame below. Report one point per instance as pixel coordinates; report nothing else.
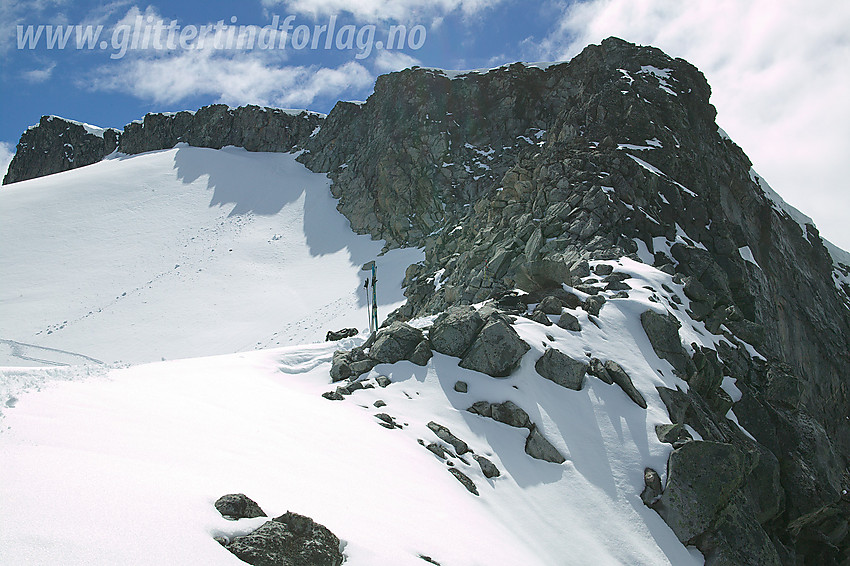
(179, 253)
(121, 465)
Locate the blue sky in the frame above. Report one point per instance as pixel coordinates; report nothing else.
(777, 67)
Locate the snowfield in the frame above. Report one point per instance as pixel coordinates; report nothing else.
(180, 253)
(110, 456)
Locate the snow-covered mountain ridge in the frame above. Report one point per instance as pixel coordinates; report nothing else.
(522, 184)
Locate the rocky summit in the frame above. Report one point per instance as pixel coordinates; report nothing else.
(523, 184)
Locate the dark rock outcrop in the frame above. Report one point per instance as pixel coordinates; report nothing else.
(663, 334)
(251, 127)
(55, 145)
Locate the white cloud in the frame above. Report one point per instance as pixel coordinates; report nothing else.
(241, 78)
(378, 10)
(7, 152)
(389, 61)
(230, 76)
(39, 75)
(778, 71)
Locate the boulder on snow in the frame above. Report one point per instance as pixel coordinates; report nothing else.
(446, 436)
(620, 377)
(455, 329)
(336, 335)
(422, 353)
(464, 479)
(538, 447)
(541, 317)
(558, 367)
(488, 468)
(496, 350)
(663, 333)
(594, 304)
(550, 305)
(569, 322)
(597, 369)
(396, 342)
(350, 364)
(508, 413)
(238, 506)
(651, 487)
(288, 539)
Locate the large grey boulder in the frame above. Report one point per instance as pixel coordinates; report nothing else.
(238, 506)
(496, 351)
(290, 539)
(396, 342)
(702, 477)
(455, 329)
(663, 333)
(558, 367)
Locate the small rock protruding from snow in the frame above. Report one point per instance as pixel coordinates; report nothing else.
(488, 468)
(444, 434)
(621, 378)
(238, 506)
(568, 321)
(538, 447)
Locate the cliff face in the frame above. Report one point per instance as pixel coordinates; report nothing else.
(517, 177)
(56, 145)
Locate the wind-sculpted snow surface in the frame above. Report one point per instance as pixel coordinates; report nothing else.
(178, 253)
(136, 457)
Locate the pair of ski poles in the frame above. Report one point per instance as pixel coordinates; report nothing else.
(372, 303)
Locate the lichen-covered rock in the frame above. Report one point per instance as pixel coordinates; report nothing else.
(496, 350)
(396, 342)
(422, 353)
(702, 477)
(558, 367)
(454, 330)
(288, 539)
